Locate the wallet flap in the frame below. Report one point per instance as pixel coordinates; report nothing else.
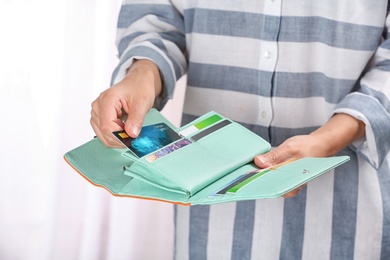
(100, 165)
(104, 166)
(274, 183)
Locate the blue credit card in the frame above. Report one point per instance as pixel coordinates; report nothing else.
(150, 139)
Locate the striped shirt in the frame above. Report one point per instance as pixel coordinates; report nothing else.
(281, 68)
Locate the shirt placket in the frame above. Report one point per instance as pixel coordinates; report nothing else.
(268, 57)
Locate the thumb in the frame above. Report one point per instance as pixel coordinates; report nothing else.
(266, 160)
(134, 121)
(271, 158)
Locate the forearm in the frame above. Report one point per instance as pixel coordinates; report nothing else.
(339, 132)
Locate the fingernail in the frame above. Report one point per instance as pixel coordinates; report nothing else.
(134, 130)
(262, 159)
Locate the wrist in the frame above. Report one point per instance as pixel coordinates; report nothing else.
(147, 69)
(339, 132)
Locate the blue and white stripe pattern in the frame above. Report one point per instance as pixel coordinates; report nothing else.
(281, 68)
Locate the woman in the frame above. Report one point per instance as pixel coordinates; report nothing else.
(312, 78)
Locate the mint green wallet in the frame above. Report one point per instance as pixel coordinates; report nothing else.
(196, 173)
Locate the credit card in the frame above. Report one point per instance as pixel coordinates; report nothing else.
(151, 138)
(167, 150)
(235, 188)
(237, 181)
(220, 191)
(211, 129)
(200, 125)
(242, 183)
(234, 182)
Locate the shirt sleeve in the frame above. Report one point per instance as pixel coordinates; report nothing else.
(154, 32)
(371, 104)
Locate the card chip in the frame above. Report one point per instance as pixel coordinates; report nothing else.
(123, 135)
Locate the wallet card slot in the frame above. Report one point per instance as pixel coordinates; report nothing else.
(211, 129)
(288, 176)
(191, 169)
(199, 124)
(167, 150)
(225, 147)
(209, 195)
(142, 189)
(153, 183)
(129, 155)
(234, 143)
(274, 183)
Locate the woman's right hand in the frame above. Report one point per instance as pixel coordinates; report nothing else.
(134, 96)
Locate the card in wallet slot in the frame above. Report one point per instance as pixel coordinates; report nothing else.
(150, 139)
(205, 122)
(210, 153)
(211, 129)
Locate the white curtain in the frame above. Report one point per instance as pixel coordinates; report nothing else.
(55, 58)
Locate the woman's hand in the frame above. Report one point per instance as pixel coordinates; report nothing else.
(134, 96)
(340, 131)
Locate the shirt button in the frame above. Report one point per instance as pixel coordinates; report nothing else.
(263, 114)
(267, 54)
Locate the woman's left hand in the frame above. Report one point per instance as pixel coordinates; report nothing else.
(340, 131)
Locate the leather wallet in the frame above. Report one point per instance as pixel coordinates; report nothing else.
(215, 166)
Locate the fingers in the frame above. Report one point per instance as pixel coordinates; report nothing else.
(293, 148)
(105, 122)
(294, 193)
(106, 140)
(113, 104)
(134, 95)
(276, 156)
(135, 118)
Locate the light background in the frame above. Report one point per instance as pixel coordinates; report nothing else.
(55, 59)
